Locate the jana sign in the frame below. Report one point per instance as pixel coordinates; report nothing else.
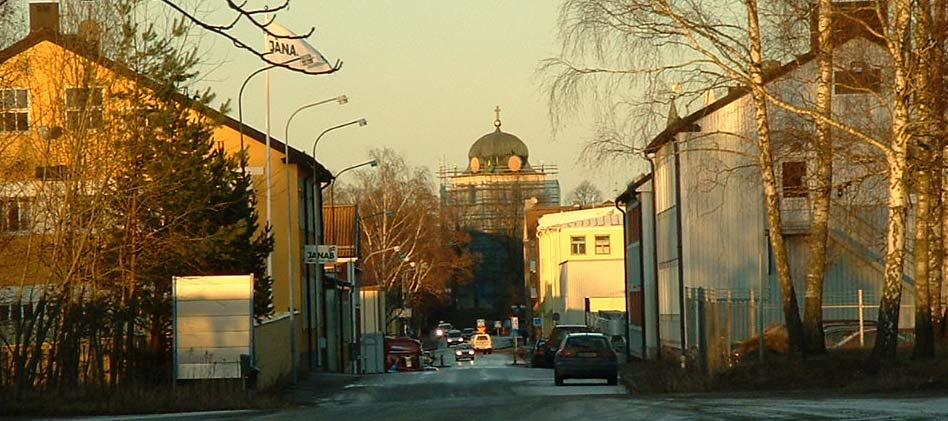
(320, 254)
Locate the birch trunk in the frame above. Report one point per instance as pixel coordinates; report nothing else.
(813, 340)
(924, 342)
(766, 161)
(888, 321)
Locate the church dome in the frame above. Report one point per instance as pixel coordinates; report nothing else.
(498, 151)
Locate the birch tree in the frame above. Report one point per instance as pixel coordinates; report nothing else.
(707, 48)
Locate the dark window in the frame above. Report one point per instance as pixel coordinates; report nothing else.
(84, 108)
(14, 110)
(27, 311)
(602, 244)
(794, 179)
(587, 342)
(14, 215)
(858, 79)
(577, 245)
(55, 172)
(4, 312)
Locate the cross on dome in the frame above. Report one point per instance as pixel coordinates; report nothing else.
(497, 120)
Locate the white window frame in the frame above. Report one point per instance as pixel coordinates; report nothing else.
(603, 248)
(20, 106)
(92, 109)
(577, 245)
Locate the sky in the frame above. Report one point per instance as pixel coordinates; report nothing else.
(425, 74)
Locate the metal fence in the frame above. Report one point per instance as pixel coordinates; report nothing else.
(717, 321)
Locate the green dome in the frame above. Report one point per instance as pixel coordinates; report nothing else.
(498, 145)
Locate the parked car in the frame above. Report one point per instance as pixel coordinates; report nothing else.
(585, 356)
(482, 342)
(463, 352)
(538, 354)
(403, 354)
(556, 336)
(467, 333)
(454, 337)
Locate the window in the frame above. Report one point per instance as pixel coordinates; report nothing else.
(14, 215)
(4, 312)
(55, 172)
(84, 108)
(577, 245)
(858, 79)
(14, 110)
(602, 244)
(794, 179)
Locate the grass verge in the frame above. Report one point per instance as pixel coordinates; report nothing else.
(839, 372)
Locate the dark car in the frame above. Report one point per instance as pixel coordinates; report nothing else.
(556, 336)
(463, 352)
(538, 355)
(586, 356)
(454, 337)
(467, 333)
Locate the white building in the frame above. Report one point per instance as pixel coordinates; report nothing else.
(580, 258)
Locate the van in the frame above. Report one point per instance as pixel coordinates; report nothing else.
(482, 342)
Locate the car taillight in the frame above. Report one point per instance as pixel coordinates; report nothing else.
(567, 352)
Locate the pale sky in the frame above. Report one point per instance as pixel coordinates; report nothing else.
(425, 74)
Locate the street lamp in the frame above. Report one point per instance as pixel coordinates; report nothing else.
(332, 183)
(318, 225)
(342, 100)
(240, 95)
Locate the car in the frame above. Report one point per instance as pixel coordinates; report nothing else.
(463, 352)
(556, 336)
(454, 337)
(442, 329)
(586, 356)
(538, 354)
(403, 354)
(482, 342)
(467, 333)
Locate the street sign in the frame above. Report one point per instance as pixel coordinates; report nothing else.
(537, 321)
(556, 317)
(321, 254)
(514, 323)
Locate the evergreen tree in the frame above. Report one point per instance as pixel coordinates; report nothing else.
(182, 205)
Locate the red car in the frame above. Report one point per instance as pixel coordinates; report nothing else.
(403, 354)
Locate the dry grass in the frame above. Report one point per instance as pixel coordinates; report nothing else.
(136, 400)
(839, 372)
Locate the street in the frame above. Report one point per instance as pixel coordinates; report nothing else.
(492, 387)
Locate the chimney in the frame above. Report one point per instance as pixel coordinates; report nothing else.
(44, 17)
(849, 19)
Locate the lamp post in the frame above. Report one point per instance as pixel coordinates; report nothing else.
(240, 120)
(342, 100)
(318, 225)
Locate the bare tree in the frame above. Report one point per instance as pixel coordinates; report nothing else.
(584, 194)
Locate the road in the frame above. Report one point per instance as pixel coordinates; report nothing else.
(492, 387)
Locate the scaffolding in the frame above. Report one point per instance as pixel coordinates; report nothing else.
(493, 202)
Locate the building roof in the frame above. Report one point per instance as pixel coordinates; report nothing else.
(596, 217)
(498, 144)
(73, 44)
(689, 122)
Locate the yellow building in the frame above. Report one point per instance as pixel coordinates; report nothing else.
(54, 90)
(580, 257)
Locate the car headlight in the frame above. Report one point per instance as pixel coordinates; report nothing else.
(439, 332)
(458, 353)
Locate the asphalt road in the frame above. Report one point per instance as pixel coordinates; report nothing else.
(491, 388)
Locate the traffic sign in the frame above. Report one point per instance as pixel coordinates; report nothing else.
(537, 321)
(556, 317)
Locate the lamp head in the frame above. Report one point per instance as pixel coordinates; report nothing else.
(397, 248)
(389, 213)
(342, 100)
(373, 163)
(362, 122)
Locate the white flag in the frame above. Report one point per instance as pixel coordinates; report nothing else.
(283, 50)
